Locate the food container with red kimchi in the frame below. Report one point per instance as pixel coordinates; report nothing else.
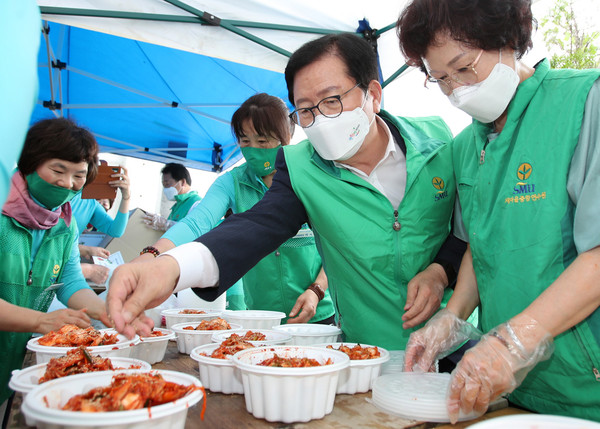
(258, 337)
(365, 366)
(60, 403)
(152, 349)
(218, 373)
(290, 383)
(24, 380)
(105, 343)
(194, 334)
(180, 315)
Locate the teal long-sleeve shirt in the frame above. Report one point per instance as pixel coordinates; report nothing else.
(89, 211)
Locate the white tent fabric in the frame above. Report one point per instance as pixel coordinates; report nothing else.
(338, 15)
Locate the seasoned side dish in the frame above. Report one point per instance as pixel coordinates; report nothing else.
(73, 336)
(293, 362)
(358, 352)
(217, 324)
(129, 392)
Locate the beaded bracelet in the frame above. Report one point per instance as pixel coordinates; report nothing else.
(150, 249)
(318, 290)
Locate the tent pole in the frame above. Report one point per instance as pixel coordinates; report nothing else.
(394, 76)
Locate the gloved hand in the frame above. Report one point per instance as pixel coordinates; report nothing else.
(440, 336)
(157, 222)
(497, 365)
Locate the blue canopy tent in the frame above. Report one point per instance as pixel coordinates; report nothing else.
(160, 79)
(145, 100)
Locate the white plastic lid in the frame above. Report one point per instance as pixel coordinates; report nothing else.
(415, 396)
(535, 421)
(253, 314)
(309, 329)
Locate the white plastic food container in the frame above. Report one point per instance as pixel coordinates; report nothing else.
(310, 333)
(360, 374)
(217, 375)
(173, 317)
(273, 337)
(153, 349)
(289, 394)
(188, 339)
(254, 319)
(57, 392)
(122, 348)
(24, 380)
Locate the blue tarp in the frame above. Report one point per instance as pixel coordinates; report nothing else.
(145, 100)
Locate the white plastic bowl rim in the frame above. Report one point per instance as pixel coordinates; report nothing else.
(21, 378)
(122, 342)
(208, 349)
(35, 409)
(168, 334)
(527, 421)
(273, 336)
(174, 312)
(385, 355)
(247, 360)
(178, 329)
(308, 329)
(253, 314)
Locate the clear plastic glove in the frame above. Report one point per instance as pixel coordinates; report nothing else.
(157, 222)
(96, 274)
(497, 365)
(440, 336)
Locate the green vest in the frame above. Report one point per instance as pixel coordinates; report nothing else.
(276, 282)
(519, 219)
(368, 263)
(183, 204)
(15, 271)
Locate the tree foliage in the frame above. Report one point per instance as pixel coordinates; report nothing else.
(562, 33)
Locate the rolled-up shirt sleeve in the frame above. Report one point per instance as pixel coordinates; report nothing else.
(583, 183)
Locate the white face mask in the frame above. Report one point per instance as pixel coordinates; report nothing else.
(487, 100)
(339, 138)
(170, 193)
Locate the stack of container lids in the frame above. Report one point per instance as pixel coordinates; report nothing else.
(415, 396)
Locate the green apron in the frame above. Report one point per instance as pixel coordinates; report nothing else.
(15, 254)
(368, 262)
(183, 204)
(519, 219)
(276, 282)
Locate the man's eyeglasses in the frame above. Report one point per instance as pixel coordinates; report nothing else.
(466, 75)
(330, 107)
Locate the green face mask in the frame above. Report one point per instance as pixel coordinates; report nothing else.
(49, 195)
(261, 161)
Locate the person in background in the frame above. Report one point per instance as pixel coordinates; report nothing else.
(176, 181)
(377, 189)
(106, 203)
(279, 281)
(90, 212)
(20, 23)
(38, 240)
(528, 177)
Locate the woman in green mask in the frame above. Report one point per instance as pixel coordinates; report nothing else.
(291, 279)
(38, 240)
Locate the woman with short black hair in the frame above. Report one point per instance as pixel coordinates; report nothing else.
(38, 240)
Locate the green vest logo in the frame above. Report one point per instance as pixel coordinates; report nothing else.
(524, 171)
(267, 165)
(438, 183)
(56, 269)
